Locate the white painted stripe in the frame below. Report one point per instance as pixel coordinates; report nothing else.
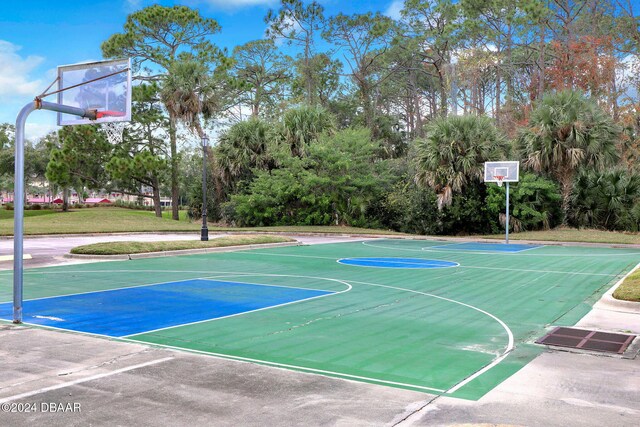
(241, 313)
(424, 266)
(508, 349)
(10, 257)
(83, 380)
(287, 366)
(236, 274)
(541, 271)
(616, 251)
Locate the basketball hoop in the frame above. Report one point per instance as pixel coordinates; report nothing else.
(499, 179)
(113, 130)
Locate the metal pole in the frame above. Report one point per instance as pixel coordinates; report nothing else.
(204, 233)
(507, 227)
(18, 193)
(18, 212)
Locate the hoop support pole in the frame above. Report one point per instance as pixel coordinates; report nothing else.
(67, 109)
(507, 221)
(19, 192)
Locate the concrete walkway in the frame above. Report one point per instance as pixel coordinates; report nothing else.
(65, 379)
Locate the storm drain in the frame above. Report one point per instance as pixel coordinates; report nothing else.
(587, 340)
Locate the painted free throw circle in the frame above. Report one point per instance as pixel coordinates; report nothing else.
(391, 262)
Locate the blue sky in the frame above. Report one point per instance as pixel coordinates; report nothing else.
(38, 35)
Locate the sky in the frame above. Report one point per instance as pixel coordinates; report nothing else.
(36, 36)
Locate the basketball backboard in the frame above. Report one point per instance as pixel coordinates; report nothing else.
(502, 171)
(109, 96)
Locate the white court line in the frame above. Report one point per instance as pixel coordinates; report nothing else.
(284, 365)
(163, 283)
(83, 380)
(265, 362)
(426, 249)
(10, 257)
(485, 250)
(424, 266)
(451, 390)
(541, 271)
(213, 319)
(496, 361)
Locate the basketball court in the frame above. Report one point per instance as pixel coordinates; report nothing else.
(451, 319)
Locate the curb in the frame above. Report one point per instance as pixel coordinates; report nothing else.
(608, 302)
(181, 252)
(337, 234)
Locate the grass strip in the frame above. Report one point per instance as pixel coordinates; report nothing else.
(629, 290)
(120, 220)
(573, 235)
(125, 248)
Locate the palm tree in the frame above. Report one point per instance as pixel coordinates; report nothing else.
(189, 94)
(567, 131)
(453, 152)
(302, 126)
(242, 147)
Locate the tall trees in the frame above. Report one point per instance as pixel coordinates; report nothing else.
(158, 37)
(432, 30)
(364, 38)
(567, 131)
(263, 70)
(299, 24)
(79, 160)
(141, 159)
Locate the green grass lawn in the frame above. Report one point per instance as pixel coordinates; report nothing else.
(92, 220)
(5, 214)
(120, 220)
(573, 235)
(119, 248)
(629, 290)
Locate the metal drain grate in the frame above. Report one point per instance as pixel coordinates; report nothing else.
(587, 340)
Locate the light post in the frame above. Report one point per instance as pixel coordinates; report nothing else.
(204, 233)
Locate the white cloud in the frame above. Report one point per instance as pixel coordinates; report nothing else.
(394, 9)
(133, 5)
(35, 131)
(14, 71)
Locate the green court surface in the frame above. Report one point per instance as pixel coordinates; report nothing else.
(458, 331)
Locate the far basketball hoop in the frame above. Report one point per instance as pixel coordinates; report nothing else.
(500, 172)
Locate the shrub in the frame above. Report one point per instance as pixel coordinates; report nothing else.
(609, 199)
(534, 203)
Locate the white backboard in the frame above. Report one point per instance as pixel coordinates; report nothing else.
(509, 171)
(109, 96)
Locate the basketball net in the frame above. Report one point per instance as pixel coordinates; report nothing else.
(499, 179)
(114, 131)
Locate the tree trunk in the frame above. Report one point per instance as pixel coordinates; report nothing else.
(443, 93)
(156, 196)
(566, 185)
(174, 167)
(541, 63)
(65, 199)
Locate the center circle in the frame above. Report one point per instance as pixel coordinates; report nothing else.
(391, 262)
